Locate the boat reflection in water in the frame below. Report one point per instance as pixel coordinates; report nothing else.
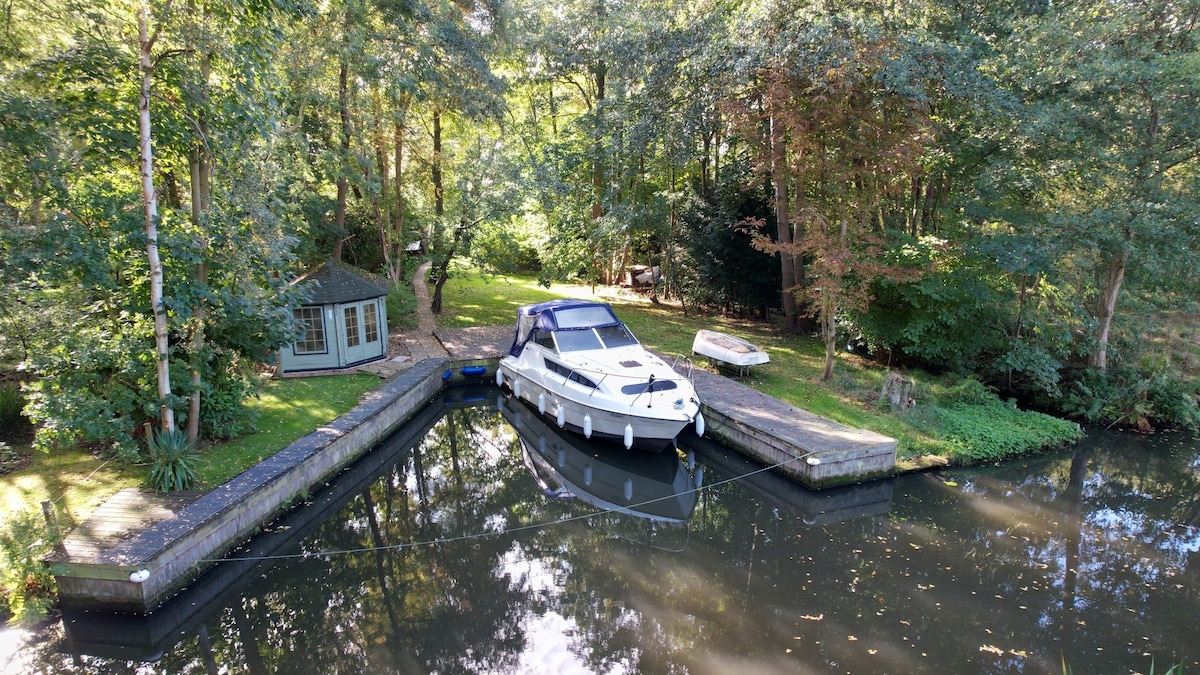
(656, 489)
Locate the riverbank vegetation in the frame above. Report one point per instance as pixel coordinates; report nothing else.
(76, 481)
(953, 420)
(1003, 195)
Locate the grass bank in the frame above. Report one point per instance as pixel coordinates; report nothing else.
(77, 482)
(954, 421)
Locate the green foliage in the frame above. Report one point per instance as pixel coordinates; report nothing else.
(719, 252)
(1141, 398)
(499, 248)
(26, 585)
(969, 391)
(401, 306)
(91, 391)
(223, 410)
(12, 402)
(174, 459)
(948, 319)
(995, 430)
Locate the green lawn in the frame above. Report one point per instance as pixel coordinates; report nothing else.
(287, 410)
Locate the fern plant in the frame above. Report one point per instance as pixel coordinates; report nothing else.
(174, 460)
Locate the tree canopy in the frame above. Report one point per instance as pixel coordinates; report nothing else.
(1007, 189)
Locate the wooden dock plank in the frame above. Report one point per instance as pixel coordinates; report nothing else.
(775, 432)
(121, 517)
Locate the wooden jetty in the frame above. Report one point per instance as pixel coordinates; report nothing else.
(807, 448)
(140, 548)
(156, 556)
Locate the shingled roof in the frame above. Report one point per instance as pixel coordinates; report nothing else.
(335, 282)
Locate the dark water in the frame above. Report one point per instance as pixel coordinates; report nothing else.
(461, 550)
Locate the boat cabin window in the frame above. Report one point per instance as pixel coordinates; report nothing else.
(616, 336)
(642, 387)
(543, 338)
(566, 372)
(576, 340)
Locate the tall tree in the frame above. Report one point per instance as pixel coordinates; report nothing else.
(146, 62)
(1111, 89)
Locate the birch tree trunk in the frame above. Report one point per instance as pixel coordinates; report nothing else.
(146, 45)
(1108, 308)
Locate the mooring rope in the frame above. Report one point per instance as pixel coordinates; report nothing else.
(473, 536)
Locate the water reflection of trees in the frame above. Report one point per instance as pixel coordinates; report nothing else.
(1090, 556)
(437, 606)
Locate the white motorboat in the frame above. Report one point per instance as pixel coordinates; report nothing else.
(728, 350)
(577, 363)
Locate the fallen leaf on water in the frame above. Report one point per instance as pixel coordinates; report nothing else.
(992, 649)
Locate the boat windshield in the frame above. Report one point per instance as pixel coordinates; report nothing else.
(584, 317)
(576, 340)
(616, 336)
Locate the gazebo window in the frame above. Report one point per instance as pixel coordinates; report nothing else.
(353, 339)
(371, 320)
(312, 341)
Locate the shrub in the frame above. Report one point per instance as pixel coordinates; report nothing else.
(25, 583)
(969, 391)
(946, 320)
(223, 411)
(1133, 397)
(991, 431)
(11, 405)
(401, 306)
(174, 461)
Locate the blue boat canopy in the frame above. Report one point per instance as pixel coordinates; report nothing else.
(558, 315)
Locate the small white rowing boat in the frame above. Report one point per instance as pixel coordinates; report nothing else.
(728, 350)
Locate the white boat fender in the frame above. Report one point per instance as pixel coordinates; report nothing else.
(691, 459)
(587, 426)
(562, 459)
(541, 404)
(499, 378)
(699, 476)
(542, 443)
(517, 387)
(561, 418)
(628, 489)
(517, 420)
(628, 436)
(699, 424)
(587, 475)
(499, 401)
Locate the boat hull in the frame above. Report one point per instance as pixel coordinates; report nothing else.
(650, 425)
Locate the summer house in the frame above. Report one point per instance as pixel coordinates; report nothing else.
(344, 320)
